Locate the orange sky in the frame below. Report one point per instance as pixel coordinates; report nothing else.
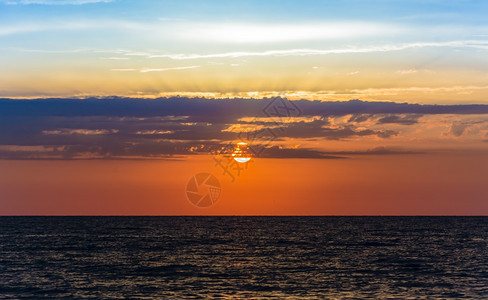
(417, 184)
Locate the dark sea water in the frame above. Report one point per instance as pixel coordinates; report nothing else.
(243, 257)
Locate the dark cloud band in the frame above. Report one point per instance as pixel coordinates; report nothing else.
(161, 128)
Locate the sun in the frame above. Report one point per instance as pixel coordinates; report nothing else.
(241, 154)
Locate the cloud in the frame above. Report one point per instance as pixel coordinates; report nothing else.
(457, 128)
(71, 25)
(203, 110)
(115, 58)
(395, 91)
(68, 131)
(155, 132)
(399, 118)
(322, 128)
(276, 33)
(113, 128)
(19, 28)
(408, 119)
(168, 69)
(479, 44)
(280, 152)
(123, 70)
(406, 72)
(374, 151)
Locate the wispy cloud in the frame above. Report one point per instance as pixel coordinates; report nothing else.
(309, 52)
(168, 69)
(50, 51)
(115, 58)
(477, 44)
(71, 25)
(123, 70)
(68, 131)
(155, 132)
(477, 125)
(394, 91)
(147, 70)
(406, 72)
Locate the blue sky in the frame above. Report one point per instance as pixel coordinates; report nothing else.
(46, 45)
(272, 10)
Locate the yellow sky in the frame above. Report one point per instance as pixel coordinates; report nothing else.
(407, 75)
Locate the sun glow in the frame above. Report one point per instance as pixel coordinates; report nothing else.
(241, 154)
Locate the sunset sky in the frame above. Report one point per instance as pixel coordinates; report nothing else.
(110, 107)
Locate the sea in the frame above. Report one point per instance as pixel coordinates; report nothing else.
(243, 257)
